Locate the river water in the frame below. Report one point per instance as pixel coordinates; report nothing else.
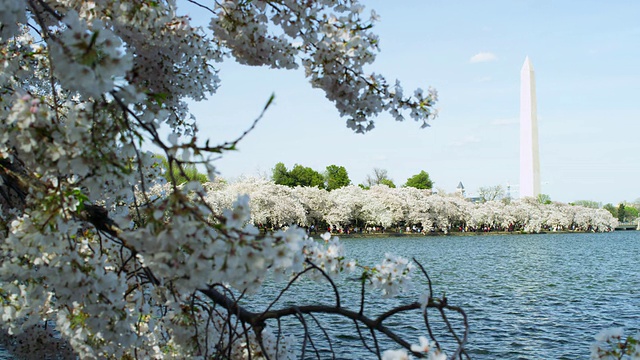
(541, 296)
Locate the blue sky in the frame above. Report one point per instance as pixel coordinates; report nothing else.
(585, 55)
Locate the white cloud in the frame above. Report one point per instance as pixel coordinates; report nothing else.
(483, 57)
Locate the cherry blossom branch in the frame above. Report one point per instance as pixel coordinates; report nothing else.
(258, 319)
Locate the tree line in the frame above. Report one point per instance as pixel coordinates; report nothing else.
(335, 177)
(302, 196)
(352, 208)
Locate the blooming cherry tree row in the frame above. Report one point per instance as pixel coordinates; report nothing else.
(352, 207)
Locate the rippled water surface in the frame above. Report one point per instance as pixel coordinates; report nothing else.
(537, 296)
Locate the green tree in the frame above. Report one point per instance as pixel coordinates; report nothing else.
(306, 176)
(630, 213)
(336, 177)
(388, 182)
(281, 175)
(621, 212)
(298, 176)
(420, 181)
(612, 209)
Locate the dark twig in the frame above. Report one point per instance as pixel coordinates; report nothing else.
(326, 276)
(362, 338)
(426, 275)
(326, 335)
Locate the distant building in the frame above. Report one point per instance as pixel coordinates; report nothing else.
(460, 189)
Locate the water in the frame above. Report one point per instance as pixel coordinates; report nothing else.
(527, 296)
(539, 296)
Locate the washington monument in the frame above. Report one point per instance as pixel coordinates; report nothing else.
(529, 154)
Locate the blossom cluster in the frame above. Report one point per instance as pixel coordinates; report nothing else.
(332, 40)
(423, 348)
(391, 276)
(329, 257)
(88, 57)
(612, 344)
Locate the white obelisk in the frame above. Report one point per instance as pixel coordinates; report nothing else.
(529, 154)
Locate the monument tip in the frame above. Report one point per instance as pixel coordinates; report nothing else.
(527, 64)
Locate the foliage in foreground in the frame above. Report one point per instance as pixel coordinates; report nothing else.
(612, 344)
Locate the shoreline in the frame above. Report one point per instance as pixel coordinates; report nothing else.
(439, 233)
